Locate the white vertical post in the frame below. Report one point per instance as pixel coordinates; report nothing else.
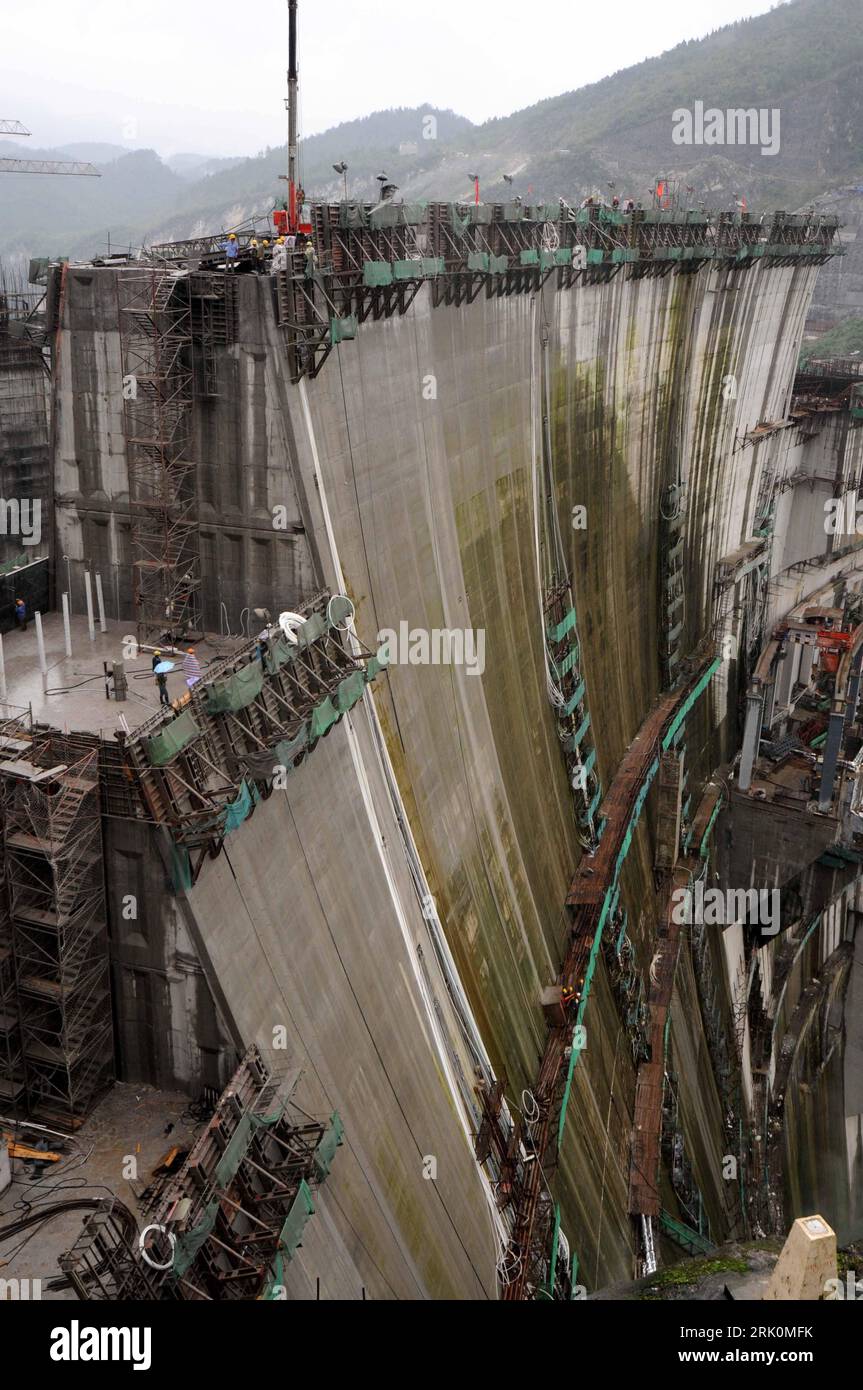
(103, 626)
(88, 588)
(40, 642)
(2, 671)
(67, 627)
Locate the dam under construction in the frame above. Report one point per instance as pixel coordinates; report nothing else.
(431, 761)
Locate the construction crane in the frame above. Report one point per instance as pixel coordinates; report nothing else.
(40, 166)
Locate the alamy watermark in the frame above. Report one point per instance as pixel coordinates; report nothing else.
(718, 907)
(21, 518)
(736, 126)
(435, 646)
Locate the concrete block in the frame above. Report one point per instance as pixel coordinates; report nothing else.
(807, 1261)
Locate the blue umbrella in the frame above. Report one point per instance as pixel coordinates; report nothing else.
(163, 667)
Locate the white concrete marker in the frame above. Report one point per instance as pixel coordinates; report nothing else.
(67, 627)
(40, 642)
(103, 626)
(89, 592)
(807, 1261)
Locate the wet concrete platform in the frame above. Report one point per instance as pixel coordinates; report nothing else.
(75, 698)
(126, 1132)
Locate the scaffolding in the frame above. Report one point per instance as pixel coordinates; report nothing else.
(155, 318)
(55, 933)
(233, 1217)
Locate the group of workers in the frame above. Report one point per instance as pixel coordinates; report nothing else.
(264, 255)
(191, 671)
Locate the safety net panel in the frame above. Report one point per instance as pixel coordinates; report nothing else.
(238, 691)
(162, 748)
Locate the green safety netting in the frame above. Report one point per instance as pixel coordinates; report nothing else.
(477, 260)
(343, 329)
(560, 630)
(236, 811)
(563, 255)
(165, 746)
(291, 1233)
(233, 1154)
(324, 716)
(423, 268)
(325, 1152)
(181, 868)
(339, 609)
(529, 257)
(546, 260)
(398, 215)
(353, 215)
(190, 1242)
(280, 651)
(263, 765)
(237, 691)
(351, 689)
(498, 264)
(595, 256)
(458, 220)
(378, 663)
(377, 274)
(314, 627)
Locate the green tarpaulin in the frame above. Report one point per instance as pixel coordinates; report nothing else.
(353, 215)
(498, 264)
(377, 274)
(351, 689)
(323, 718)
(459, 221)
(314, 627)
(263, 765)
(378, 663)
(163, 748)
(529, 257)
(280, 651)
(238, 691)
(477, 260)
(325, 1152)
(291, 1234)
(344, 329)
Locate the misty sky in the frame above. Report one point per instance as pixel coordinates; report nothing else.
(210, 77)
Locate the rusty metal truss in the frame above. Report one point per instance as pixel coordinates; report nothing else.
(230, 1222)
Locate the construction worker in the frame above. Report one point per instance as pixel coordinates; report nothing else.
(231, 250)
(157, 658)
(261, 253)
(311, 259)
(162, 683)
(280, 254)
(253, 249)
(21, 614)
(192, 668)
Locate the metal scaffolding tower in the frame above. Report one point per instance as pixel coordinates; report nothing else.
(56, 912)
(155, 317)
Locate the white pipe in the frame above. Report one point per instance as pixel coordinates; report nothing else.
(67, 626)
(89, 592)
(103, 626)
(2, 671)
(40, 642)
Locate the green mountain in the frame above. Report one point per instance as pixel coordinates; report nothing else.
(802, 60)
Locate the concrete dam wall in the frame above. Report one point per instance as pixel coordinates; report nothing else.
(429, 471)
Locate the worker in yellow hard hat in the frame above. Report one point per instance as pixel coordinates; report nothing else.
(260, 256)
(231, 250)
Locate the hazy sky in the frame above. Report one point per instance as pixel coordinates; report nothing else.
(210, 76)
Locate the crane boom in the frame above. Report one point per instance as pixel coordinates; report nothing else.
(40, 166)
(47, 166)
